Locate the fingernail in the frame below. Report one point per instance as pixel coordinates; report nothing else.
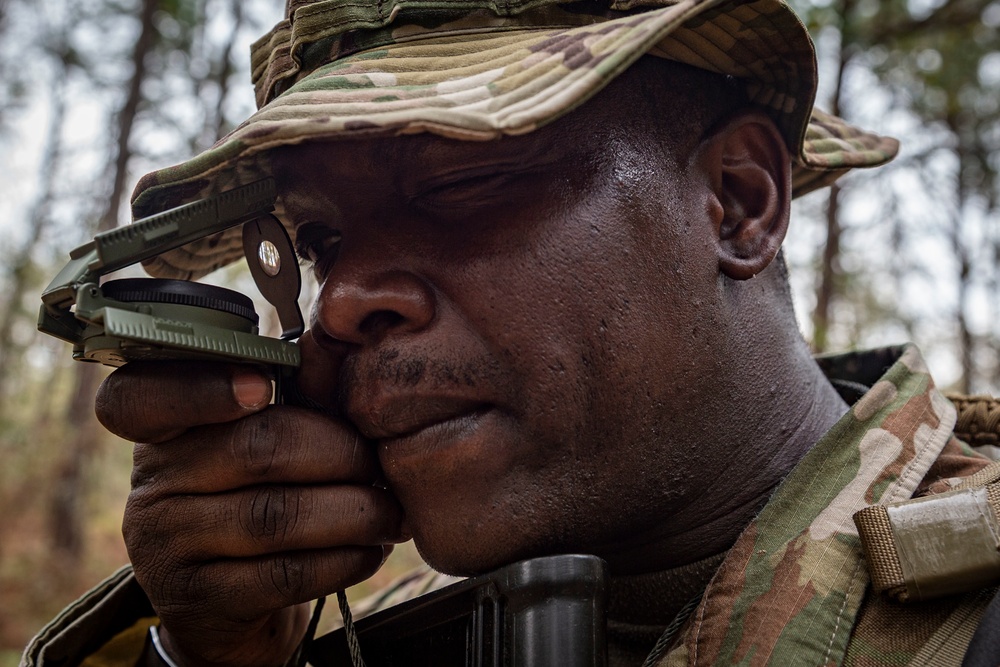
(251, 389)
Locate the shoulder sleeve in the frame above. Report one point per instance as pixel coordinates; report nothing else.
(83, 628)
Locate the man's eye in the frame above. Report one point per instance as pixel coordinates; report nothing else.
(466, 191)
(316, 243)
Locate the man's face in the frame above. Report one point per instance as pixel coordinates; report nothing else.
(520, 327)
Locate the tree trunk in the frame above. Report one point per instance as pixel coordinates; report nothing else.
(829, 276)
(966, 340)
(18, 282)
(66, 526)
(829, 272)
(225, 71)
(69, 492)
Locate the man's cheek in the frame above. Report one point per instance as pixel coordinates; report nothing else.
(316, 379)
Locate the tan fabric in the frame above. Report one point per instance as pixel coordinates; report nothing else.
(124, 648)
(932, 545)
(941, 628)
(978, 420)
(113, 606)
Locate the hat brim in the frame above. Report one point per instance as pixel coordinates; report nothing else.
(471, 85)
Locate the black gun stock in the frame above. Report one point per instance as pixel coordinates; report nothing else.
(543, 612)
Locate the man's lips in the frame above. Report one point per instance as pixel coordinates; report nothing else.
(405, 416)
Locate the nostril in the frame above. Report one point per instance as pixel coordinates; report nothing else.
(356, 307)
(379, 322)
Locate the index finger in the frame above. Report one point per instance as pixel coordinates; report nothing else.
(158, 400)
(282, 445)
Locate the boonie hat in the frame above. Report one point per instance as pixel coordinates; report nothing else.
(481, 69)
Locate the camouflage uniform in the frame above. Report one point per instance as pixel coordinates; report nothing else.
(793, 589)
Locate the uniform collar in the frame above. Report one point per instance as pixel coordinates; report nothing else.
(790, 588)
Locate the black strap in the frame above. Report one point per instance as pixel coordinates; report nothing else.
(153, 655)
(984, 649)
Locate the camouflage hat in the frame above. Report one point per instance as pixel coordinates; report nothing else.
(480, 69)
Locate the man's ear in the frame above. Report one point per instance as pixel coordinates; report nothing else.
(749, 170)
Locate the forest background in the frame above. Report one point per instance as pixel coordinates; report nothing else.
(95, 93)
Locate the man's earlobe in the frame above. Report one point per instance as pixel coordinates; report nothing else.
(750, 171)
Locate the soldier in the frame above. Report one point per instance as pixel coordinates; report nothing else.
(553, 318)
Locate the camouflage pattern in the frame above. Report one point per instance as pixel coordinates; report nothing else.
(790, 591)
(482, 69)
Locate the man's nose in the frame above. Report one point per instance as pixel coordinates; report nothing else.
(364, 307)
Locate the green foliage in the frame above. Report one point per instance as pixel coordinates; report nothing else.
(929, 65)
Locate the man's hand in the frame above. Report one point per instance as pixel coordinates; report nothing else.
(241, 511)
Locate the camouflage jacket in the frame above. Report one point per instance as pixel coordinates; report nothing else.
(793, 590)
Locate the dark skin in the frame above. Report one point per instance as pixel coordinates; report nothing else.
(569, 341)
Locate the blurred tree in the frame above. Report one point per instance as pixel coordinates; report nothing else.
(67, 507)
(20, 269)
(167, 28)
(118, 87)
(215, 80)
(12, 86)
(948, 73)
(928, 59)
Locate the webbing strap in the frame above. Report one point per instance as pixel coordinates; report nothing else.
(978, 420)
(939, 545)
